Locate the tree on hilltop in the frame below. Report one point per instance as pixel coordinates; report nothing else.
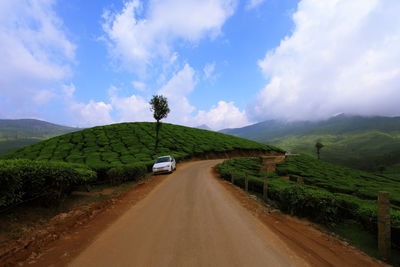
(160, 109)
(319, 146)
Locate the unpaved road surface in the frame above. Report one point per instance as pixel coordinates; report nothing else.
(189, 219)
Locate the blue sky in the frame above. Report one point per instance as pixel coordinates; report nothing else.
(223, 63)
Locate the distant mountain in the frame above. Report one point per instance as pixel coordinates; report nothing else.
(204, 127)
(18, 133)
(368, 143)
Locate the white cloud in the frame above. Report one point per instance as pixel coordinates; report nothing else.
(68, 90)
(91, 114)
(35, 53)
(209, 72)
(140, 86)
(343, 56)
(41, 97)
(88, 114)
(115, 109)
(223, 115)
(132, 108)
(253, 4)
(177, 90)
(137, 108)
(141, 33)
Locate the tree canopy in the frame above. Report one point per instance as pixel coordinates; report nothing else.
(159, 107)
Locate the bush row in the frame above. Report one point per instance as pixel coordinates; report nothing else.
(314, 203)
(124, 173)
(23, 180)
(338, 179)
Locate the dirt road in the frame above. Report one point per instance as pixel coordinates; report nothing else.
(190, 219)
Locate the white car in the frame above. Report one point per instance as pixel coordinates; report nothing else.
(164, 164)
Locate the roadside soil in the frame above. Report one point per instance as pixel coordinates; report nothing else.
(59, 239)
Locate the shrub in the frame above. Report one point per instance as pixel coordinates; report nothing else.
(338, 179)
(21, 180)
(303, 201)
(123, 173)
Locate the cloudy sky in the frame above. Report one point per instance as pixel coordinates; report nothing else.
(223, 63)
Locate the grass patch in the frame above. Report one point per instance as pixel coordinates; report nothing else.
(354, 233)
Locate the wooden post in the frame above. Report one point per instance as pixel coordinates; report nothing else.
(384, 242)
(265, 189)
(300, 180)
(246, 183)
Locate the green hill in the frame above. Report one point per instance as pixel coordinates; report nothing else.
(367, 143)
(106, 154)
(128, 143)
(18, 133)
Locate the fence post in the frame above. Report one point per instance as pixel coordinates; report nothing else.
(384, 240)
(265, 189)
(246, 183)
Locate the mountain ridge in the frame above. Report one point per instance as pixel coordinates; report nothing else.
(367, 143)
(17, 133)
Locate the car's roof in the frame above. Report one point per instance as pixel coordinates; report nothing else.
(168, 156)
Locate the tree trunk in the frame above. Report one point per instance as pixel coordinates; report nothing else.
(157, 131)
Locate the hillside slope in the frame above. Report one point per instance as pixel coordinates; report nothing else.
(18, 133)
(127, 143)
(367, 143)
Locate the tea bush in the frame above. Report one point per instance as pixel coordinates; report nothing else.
(309, 201)
(23, 180)
(338, 179)
(104, 147)
(120, 174)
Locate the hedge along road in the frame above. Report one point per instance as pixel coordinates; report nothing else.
(190, 219)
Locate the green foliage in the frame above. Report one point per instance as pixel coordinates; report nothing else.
(159, 107)
(132, 143)
(13, 144)
(120, 174)
(338, 179)
(365, 151)
(22, 180)
(313, 200)
(319, 146)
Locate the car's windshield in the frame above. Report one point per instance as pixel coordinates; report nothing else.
(162, 159)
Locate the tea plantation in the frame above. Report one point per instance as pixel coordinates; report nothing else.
(330, 194)
(116, 153)
(338, 179)
(128, 143)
